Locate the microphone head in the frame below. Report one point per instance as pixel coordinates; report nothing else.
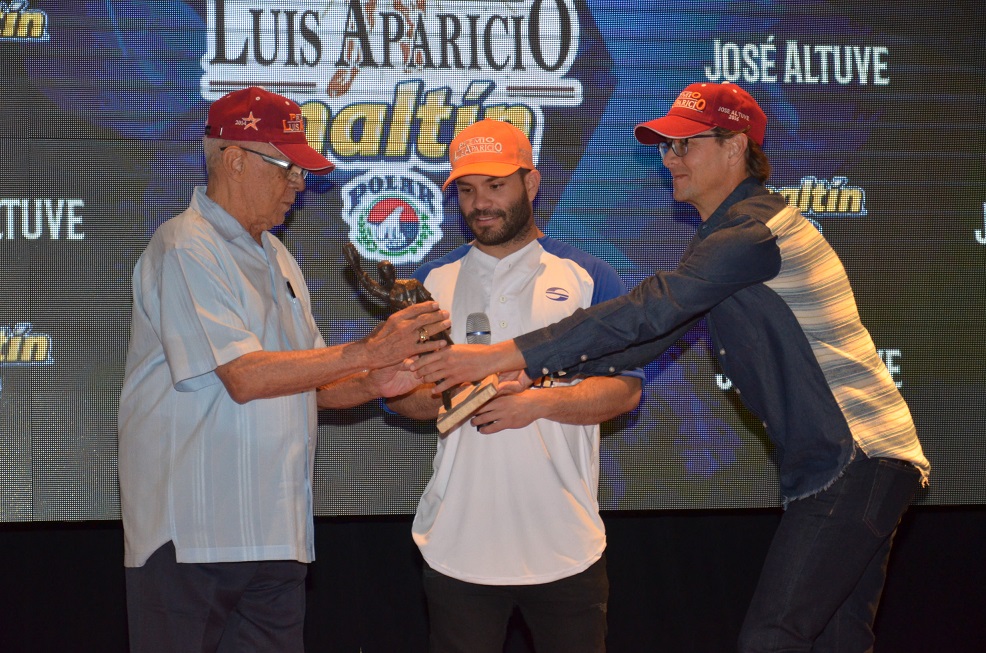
(478, 329)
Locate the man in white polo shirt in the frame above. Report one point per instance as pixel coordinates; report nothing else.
(510, 517)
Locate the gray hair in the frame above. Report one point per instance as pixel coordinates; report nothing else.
(212, 147)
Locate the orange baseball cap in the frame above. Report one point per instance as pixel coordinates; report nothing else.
(489, 147)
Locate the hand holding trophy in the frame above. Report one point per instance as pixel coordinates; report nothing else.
(401, 293)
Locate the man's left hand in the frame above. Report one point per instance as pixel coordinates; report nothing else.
(511, 411)
(394, 380)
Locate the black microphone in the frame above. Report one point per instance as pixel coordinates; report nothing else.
(478, 329)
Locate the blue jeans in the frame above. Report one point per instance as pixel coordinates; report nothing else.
(564, 616)
(825, 570)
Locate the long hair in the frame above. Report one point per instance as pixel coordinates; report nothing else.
(757, 163)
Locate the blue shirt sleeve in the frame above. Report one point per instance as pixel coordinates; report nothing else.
(634, 329)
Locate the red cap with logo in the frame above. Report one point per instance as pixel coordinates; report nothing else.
(702, 106)
(489, 147)
(255, 114)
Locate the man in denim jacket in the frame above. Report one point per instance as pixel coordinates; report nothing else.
(786, 330)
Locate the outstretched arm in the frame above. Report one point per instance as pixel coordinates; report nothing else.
(367, 385)
(632, 329)
(261, 374)
(420, 403)
(465, 363)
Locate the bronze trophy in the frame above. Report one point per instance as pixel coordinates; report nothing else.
(401, 293)
(398, 293)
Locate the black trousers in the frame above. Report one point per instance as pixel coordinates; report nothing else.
(223, 607)
(564, 616)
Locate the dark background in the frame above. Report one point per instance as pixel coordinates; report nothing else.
(680, 583)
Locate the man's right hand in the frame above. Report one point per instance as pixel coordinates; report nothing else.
(464, 363)
(405, 333)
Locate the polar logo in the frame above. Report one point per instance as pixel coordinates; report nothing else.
(392, 215)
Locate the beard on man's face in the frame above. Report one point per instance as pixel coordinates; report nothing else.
(515, 223)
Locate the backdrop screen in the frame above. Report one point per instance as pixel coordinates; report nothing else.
(876, 133)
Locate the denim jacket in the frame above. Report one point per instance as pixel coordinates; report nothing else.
(752, 270)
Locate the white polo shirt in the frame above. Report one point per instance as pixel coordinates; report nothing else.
(520, 506)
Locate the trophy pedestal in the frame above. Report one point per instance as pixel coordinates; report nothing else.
(465, 404)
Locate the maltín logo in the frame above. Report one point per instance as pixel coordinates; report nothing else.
(19, 346)
(393, 216)
(389, 83)
(17, 23)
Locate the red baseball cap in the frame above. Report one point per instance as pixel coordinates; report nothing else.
(704, 105)
(489, 147)
(257, 115)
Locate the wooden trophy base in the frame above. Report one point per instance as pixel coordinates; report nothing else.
(465, 404)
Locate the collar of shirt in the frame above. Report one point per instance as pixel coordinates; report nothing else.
(749, 187)
(227, 226)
